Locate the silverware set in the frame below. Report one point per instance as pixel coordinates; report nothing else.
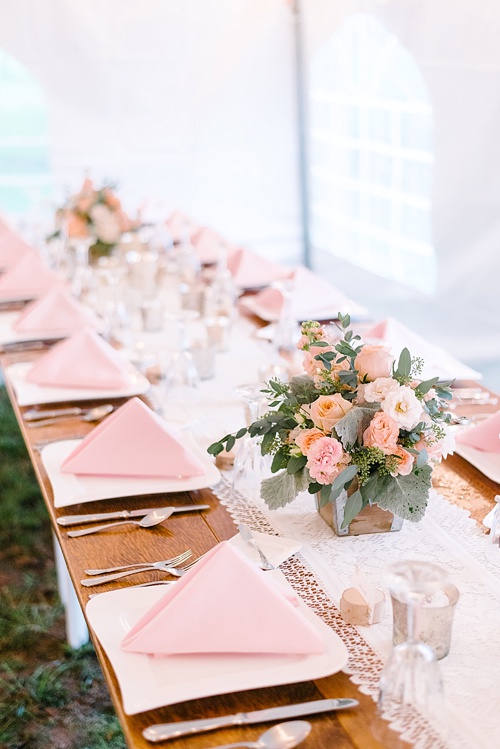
(109, 574)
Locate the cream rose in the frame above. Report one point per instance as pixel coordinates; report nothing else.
(327, 410)
(403, 406)
(373, 362)
(383, 433)
(405, 462)
(375, 392)
(305, 438)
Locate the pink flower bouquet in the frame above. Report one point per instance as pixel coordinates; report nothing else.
(355, 421)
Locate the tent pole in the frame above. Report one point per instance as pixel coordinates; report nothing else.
(300, 82)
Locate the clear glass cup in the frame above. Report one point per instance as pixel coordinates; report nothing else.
(249, 465)
(411, 678)
(287, 331)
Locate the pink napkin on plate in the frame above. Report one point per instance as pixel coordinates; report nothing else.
(181, 226)
(209, 245)
(12, 248)
(55, 312)
(485, 436)
(224, 604)
(83, 361)
(28, 277)
(133, 441)
(250, 270)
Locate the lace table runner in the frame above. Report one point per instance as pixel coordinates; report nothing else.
(446, 536)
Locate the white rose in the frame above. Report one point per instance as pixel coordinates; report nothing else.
(447, 443)
(107, 225)
(376, 391)
(403, 406)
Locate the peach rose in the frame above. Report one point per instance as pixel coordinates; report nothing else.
(373, 362)
(326, 459)
(405, 464)
(327, 410)
(305, 438)
(77, 226)
(383, 433)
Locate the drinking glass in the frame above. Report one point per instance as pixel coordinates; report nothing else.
(83, 285)
(411, 679)
(287, 332)
(249, 464)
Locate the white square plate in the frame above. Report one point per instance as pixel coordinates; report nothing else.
(487, 463)
(70, 489)
(331, 311)
(30, 394)
(148, 682)
(8, 334)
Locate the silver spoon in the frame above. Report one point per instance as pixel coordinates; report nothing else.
(148, 521)
(93, 414)
(282, 736)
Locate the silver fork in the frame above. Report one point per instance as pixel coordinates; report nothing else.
(175, 560)
(90, 582)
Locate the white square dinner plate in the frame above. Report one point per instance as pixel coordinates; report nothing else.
(70, 489)
(487, 463)
(148, 682)
(30, 394)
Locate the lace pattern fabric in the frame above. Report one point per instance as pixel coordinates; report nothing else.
(446, 536)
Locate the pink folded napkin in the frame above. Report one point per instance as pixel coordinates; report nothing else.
(484, 436)
(83, 361)
(134, 441)
(224, 604)
(56, 312)
(28, 277)
(181, 226)
(250, 270)
(310, 296)
(209, 245)
(12, 248)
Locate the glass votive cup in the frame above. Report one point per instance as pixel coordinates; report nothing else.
(204, 359)
(435, 620)
(219, 331)
(152, 314)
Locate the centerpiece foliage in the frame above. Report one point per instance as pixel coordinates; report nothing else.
(357, 421)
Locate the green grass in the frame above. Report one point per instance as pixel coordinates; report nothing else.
(51, 696)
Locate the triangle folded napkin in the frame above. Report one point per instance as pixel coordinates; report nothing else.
(29, 276)
(311, 296)
(484, 436)
(12, 248)
(181, 226)
(209, 245)
(224, 604)
(437, 361)
(56, 312)
(250, 270)
(83, 361)
(133, 442)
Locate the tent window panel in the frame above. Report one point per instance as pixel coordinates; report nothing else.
(371, 154)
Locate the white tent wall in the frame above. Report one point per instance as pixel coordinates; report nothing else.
(185, 104)
(455, 45)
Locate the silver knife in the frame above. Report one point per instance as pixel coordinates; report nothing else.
(165, 731)
(37, 414)
(77, 519)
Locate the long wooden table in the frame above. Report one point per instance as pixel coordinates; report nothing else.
(360, 728)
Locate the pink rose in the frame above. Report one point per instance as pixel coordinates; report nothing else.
(327, 410)
(405, 464)
(305, 438)
(326, 459)
(373, 362)
(383, 433)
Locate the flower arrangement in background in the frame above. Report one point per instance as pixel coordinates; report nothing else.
(96, 214)
(356, 421)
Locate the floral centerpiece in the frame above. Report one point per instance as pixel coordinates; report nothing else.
(96, 213)
(356, 421)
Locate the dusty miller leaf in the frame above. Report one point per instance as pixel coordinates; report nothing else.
(354, 423)
(404, 496)
(282, 489)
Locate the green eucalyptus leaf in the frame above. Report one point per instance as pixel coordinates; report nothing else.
(404, 363)
(425, 386)
(280, 460)
(353, 506)
(296, 463)
(342, 479)
(423, 457)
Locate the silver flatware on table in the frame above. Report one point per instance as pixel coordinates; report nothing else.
(164, 731)
(123, 514)
(35, 414)
(148, 521)
(92, 414)
(246, 533)
(169, 566)
(281, 736)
